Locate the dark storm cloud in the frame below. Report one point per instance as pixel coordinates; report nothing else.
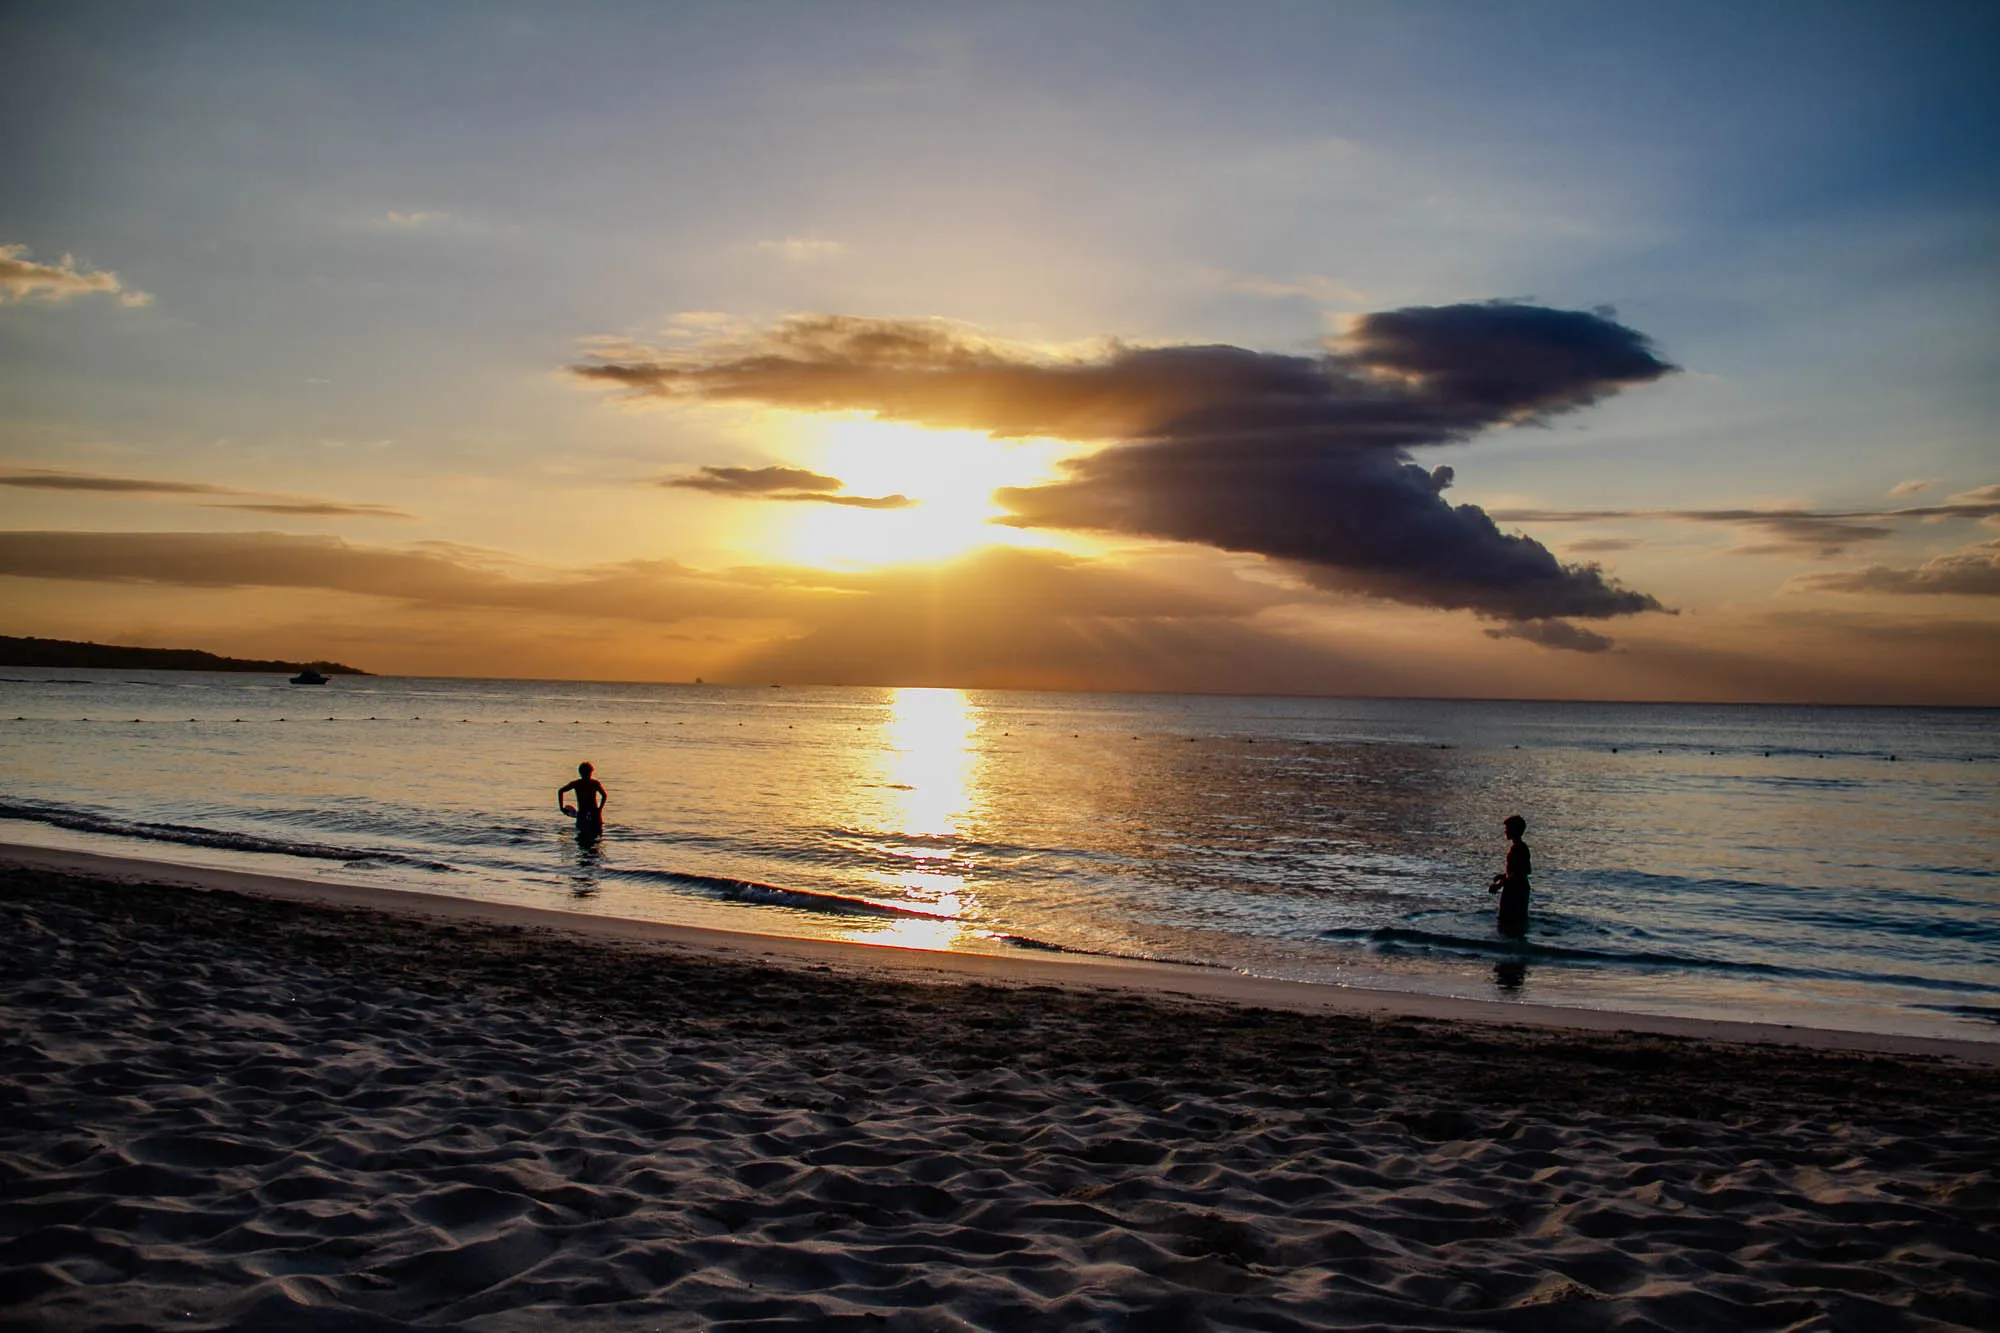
(55, 479)
(1553, 634)
(782, 483)
(1299, 458)
(1361, 522)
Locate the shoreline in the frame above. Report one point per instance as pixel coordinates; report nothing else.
(1068, 972)
(233, 1102)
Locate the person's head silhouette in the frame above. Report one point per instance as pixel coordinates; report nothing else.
(583, 770)
(1514, 825)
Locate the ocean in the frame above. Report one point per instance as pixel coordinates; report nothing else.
(1829, 867)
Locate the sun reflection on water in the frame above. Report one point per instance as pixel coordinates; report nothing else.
(931, 773)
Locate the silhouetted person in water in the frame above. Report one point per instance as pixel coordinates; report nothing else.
(1512, 883)
(589, 809)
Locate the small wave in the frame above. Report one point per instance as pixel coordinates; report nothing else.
(1029, 942)
(1985, 1013)
(774, 895)
(1392, 937)
(190, 835)
(1044, 946)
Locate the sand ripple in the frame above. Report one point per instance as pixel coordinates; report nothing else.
(226, 1113)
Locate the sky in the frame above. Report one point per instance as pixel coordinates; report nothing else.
(1544, 350)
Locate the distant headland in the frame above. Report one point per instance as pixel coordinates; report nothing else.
(105, 656)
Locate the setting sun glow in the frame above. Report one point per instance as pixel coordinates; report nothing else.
(950, 474)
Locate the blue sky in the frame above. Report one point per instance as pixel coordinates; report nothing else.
(375, 237)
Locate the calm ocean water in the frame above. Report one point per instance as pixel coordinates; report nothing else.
(1837, 867)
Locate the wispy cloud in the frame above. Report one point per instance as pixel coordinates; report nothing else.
(782, 483)
(1911, 487)
(1971, 571)
(639, 590)
(21, 279)
(646, 591)
(315, 508)
(803, 249)
(1300, 459)
(226, 497)
(1315, 287)
(1826, 532)
(1559, 634)
(53, 479)
(415, 220)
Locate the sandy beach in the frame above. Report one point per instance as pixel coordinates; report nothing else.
(234, 1102)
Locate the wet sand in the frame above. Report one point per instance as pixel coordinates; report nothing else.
(238, 1103)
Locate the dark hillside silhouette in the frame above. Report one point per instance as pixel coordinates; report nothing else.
(104, 656)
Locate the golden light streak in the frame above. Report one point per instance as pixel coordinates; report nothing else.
(931, 772)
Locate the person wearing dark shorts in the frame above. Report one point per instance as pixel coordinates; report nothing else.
(589, 809)
(1512, 883)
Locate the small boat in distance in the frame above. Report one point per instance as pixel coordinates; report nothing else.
(309, 677)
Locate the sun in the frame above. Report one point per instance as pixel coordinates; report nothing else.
(949, 475)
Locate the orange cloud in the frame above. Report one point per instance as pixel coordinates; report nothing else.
(21, 279)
